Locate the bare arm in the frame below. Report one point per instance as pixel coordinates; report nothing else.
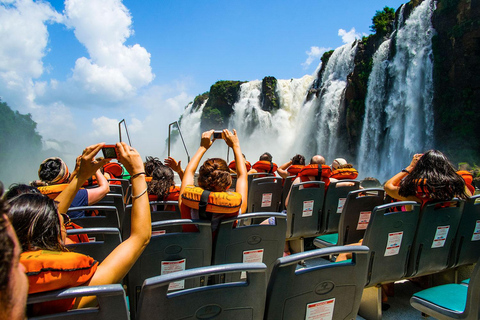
(97, 194)
(392, 186)
(172, 163)
(282, 170)
(231, 139)
(296, 181)
(117, 264)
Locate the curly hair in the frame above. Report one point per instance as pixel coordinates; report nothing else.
(436, 176)
(298, 159)
(35, 220)
(214, 175)
(162, 180)
(151, 163)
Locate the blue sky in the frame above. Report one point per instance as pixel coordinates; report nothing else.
(80, 66)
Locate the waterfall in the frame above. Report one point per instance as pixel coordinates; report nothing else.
(408, 125)
(334, 82)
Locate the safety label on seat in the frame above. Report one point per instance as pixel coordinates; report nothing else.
(158, 232)
(363, 220)
(251, 256)
(440, 236)
(476, 231)
(341, 203)
(322, 310)
(393, 243)
(174, 266)
(307, 208)
(266, 200)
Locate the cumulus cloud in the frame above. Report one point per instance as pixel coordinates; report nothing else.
(350, 36)
(314, 54)
(104, 128)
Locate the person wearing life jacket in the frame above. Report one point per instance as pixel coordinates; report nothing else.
(292, 167)
(233, 166)
(210, 200)
(264, 164)
(39, 224)
(54, 173)
(344, 170)
(162, 186)
(428, 177)
(468, 178)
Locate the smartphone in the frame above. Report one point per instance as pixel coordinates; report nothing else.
(218, 134)
(109, 151)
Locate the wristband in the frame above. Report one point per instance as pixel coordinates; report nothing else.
(141, 194)
(405, 170)
(137, 174)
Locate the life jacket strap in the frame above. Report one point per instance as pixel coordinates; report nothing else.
(202, 206)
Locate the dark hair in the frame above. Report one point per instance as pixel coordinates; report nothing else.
(35, 220)
(214, 175)
(50, 169)
(298, 159)
(436, 176)
(370, 182)
(19, 188)
(266, 157)
(162, 180)
(6, 253)
(151, 163)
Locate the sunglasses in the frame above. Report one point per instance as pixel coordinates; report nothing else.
(66, 219)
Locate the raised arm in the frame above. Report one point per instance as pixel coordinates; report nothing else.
(282, 170)
(97, 194)
(231, 139)
(392, 186)
(175, 166)
(117, 264)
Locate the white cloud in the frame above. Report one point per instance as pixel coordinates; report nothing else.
(105, 129)
(315, 53)
(350, 36)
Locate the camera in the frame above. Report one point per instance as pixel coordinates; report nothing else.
(109, 151)
(218, 134)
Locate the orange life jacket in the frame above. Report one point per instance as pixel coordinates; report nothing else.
(265, 166)
(113, 169)
(148, 179)
(345, 173)
(468, 177)
(294, 169)
(233, 166)
(77, 238)
(321, 173)
(172, 195)
(53, 191)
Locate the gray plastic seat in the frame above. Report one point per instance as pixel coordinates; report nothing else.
(240, 243)
(102, 242)
(265, 195)
(304, 210)
(466, 249)
(258, 175)
(354, 218)
(116, 200)
(287, 184)
(125, 184)
(238, 300)
(183, 249)
(107, 217)
(110, 298)
(437, 226)
(334, 200)
(295, 293)
(451, 301)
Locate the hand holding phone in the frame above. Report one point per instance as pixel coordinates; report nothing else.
(217, 134)
(109, 151)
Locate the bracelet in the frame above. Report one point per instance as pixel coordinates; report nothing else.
(141, 194)
(405, 170)
(137, 174)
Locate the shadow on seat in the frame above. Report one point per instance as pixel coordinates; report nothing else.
(102, 242)
(107, 217)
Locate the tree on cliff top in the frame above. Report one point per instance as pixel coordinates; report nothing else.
(383, 21)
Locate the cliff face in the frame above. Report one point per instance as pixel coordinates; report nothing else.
(457, 78)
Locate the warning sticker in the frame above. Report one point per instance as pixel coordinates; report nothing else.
(92, 239)
(341, 204)
(158, 232)
(174, 266)
(476, 231)
(440, 237)
(251, 256)
(322, 310)
(393, 243)
(307, 208)
(266, 200)
(363, 220)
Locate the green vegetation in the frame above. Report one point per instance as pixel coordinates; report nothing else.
(326, 56)
(383, 21)
(269, 94)
(199, 100)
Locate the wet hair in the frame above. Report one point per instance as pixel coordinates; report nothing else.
(437, 177)
(298, 159)
(6, 254)
(266, 157)
(151, 163)
(35, 220)
(214, 175)
(162, 180)
(370, 182)
(19, 188)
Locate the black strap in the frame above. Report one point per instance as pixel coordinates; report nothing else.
(319, 175)
(271, 168)
(202, 206)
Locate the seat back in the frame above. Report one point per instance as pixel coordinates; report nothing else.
(334, 201)
(125, 184)
(334, 289)
(156, 215)
(249, 243)
(252, 176)
(304, 209)
(115, 200)
(102, 242)
(239, 300)
(265, 195)
(466, 248)
(356, 214)
(171, 252)
(287, 184)
(389, 236)
(472, 307)
(110, 299)
(107, 217)
(437, 226)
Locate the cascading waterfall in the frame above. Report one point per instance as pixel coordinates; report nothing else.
(334, 82)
